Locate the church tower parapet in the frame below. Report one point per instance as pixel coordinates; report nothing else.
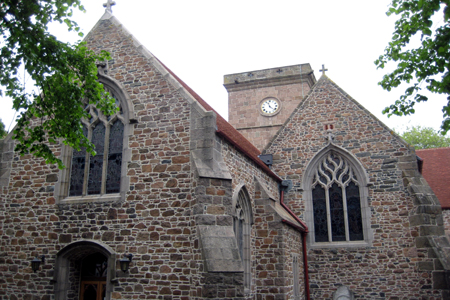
(259, 102)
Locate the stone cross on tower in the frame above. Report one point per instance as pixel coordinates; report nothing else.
(323, 70)
(108, 5)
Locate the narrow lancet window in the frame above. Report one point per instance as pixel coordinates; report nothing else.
(242, 231)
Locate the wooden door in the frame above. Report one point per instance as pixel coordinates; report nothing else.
(93, 290)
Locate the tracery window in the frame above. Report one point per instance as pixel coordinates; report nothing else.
(99, 174)
(336, 201)
(242, 229)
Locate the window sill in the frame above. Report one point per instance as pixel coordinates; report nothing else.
(92, 198)
(358, 244)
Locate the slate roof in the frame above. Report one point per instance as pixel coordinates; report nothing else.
(436, 171)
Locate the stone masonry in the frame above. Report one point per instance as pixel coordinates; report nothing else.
(402, 260)
(174, 212)
(202, 216)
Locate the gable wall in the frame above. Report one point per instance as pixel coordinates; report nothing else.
(153, 222)
(392, 266)
(159, 218)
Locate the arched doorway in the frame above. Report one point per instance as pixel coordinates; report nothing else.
(84, 270)
(93, 277)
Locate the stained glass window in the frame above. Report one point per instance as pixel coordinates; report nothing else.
(77, 170)
(354, 212)
(320, 214)
(96, 162)
(113, 173)
(99, 174)
(336, 201)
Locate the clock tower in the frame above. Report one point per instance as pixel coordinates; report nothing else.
(259, 102)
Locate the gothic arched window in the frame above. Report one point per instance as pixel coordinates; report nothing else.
(242, 229)
(99, 174)
(336, 201)
(336, 195)
(100, 177)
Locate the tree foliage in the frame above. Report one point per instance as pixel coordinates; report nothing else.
(427, 64)
(425, 137)
(2, 130)
(64, 74)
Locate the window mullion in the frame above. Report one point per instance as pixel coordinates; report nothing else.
(86, 166)
(105, 158)
(327, 202)
(344, 203)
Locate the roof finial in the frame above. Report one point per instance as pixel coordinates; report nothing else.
(108, 5)
(323, 70)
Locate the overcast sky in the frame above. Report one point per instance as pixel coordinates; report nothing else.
(201, 41)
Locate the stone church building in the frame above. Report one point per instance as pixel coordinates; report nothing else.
(303, 194)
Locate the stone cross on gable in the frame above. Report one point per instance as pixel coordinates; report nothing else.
(323, 70)
(108, 5)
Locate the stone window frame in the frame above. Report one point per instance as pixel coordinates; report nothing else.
(77, 251)
(364, 183)
(63, 184)
(242, 209)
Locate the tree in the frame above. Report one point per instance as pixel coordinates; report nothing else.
(64, 74)
(427, 64)
(425, 137)
(2, 130)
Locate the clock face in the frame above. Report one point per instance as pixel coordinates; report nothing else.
(270, 106)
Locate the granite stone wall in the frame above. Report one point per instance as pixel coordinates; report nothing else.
(392, 265)
(273, 242)
(153, 222)
(177, 205)
(446, 216)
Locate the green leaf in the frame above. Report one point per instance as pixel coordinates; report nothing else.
(427, 64)
(420, 4)
(64, 75)
(425, 137)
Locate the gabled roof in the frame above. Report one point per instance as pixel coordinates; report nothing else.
(436, 171)
(320, 85)
(224, 129)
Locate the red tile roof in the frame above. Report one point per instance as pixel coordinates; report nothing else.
(228, 132)
(436, 171)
